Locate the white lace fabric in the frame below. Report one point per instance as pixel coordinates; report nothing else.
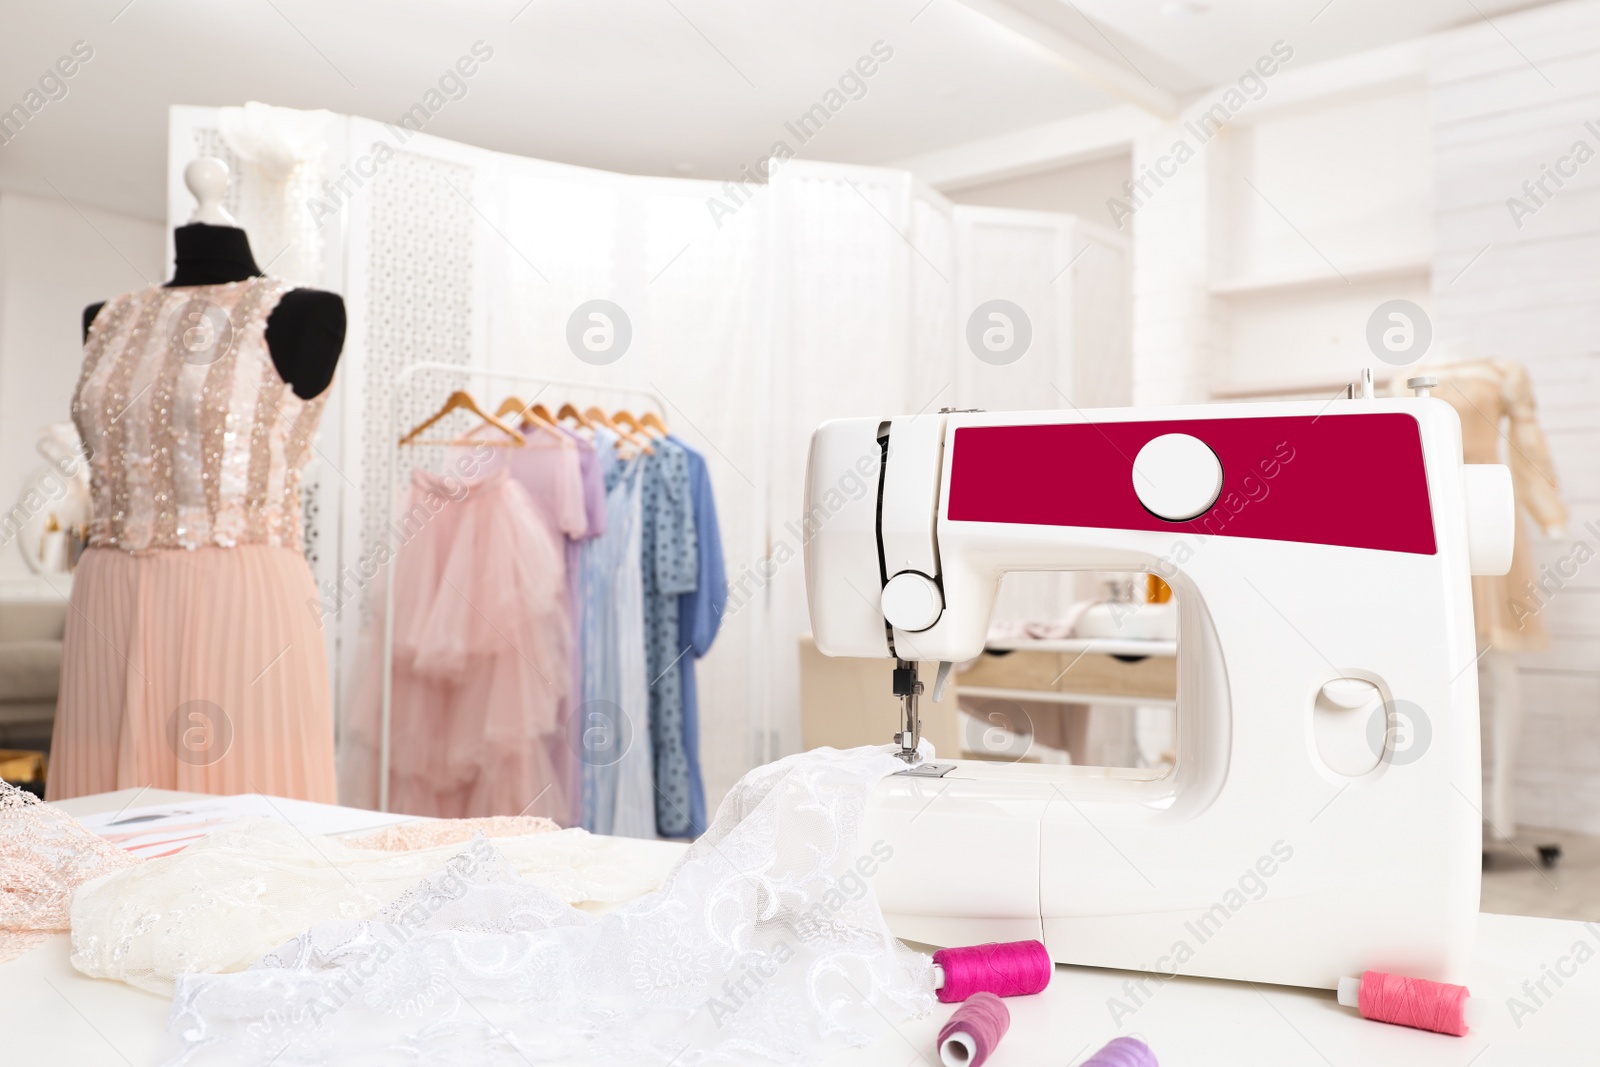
(44, 855)
(227, 899)
(765, 942)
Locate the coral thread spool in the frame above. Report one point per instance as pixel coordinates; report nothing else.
(973, 1031)
(1123, 1052)
(1006, 969)
(1417, 1002)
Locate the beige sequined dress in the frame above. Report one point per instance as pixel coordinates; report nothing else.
(193, 655)
(1500, 424)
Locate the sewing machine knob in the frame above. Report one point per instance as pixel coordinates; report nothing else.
(912, 601)
(1177, 477)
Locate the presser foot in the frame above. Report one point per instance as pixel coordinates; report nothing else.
(908, 750)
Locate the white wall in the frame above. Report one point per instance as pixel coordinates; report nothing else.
(54, 260)
(1174, 323)
(1259, 261)
(1081, 189)
(1533, 294)
(1345, 184)
(1324, 213)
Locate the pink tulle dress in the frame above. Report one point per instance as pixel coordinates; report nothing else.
(482, 662)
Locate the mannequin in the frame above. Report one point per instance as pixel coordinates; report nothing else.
(188, 661)
(1486, 391)
(305, 333)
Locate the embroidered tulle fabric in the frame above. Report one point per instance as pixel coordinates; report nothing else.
(226, 900)
(44, 855)
(431, 833)
(764, 943)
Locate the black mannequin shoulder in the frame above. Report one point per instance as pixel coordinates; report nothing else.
(312, 303)
(88, 317)
(305, 334)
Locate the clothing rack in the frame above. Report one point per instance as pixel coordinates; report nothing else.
(397, 394)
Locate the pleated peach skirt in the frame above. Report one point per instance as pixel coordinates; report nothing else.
(200, 670)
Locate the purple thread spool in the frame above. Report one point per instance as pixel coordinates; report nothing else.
(973, 1031)
(1123, 1052)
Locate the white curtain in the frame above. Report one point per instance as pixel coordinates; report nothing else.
(861, 292)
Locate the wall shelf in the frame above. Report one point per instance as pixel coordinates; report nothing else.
(1262, 284)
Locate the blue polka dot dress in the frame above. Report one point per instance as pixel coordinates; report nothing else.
(670, 556)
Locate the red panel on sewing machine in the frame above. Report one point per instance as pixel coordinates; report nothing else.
(1352, 480)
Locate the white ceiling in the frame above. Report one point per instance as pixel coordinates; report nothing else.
(691, 87)
(1188, 45)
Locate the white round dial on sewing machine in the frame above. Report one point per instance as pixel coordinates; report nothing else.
(1177, 477)
(911, 601)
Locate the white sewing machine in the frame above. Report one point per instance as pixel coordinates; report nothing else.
(1323, 814)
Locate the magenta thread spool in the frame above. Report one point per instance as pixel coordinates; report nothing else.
(1123, 1052)
(1006, 969)
(1417, 1002)
(973, 1031)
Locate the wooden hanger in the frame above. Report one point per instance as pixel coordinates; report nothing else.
(599, 416)
(511, 405)
(460, 400)
(568, 411)
(651, 421)
(535, 415)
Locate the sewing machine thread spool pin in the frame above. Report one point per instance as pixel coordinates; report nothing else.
(1362, 388)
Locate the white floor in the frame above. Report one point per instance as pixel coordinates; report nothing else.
(1516, 883)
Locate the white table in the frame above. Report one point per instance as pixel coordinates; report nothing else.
(51, 1014)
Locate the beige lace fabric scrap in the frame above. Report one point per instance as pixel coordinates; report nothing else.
(45, 854)
(226, 900)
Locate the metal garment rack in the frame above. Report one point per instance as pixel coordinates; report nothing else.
(402, 380)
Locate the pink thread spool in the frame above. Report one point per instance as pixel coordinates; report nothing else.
(973, 1031)
(1417, 1002)
(1006, 969)
(1123, 1052)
